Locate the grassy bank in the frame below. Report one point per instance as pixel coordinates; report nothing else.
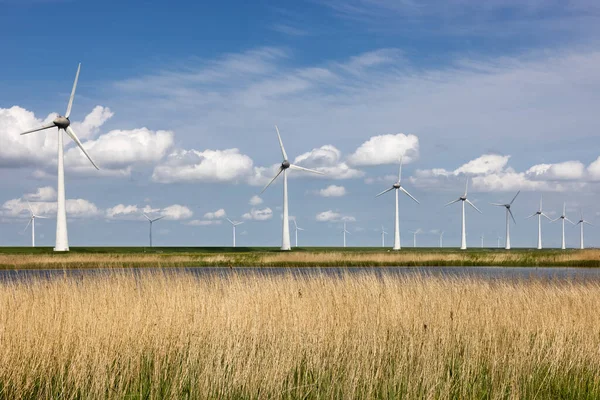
(253, 336)
(28, 258)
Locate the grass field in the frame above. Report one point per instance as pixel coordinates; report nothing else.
(161, 335)
(124, 257)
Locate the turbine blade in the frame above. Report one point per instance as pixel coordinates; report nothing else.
(158, 219)
(466, 187)
(554, 220)
(47, 126)
(73, 92)
(400, 169)
(541, 197)
(27, 226)
(295, 224)
(512, 216)
(148, 218)
(512, 201)
(589, 223)
(39, 216)
(230, 221)
(498, 204)
(281, 144)
(452, 202)
(30, 209)
(298, 168)
(532, 215)
(409, 195)
(272, 180)
(385, 191)
(73, 136)
(547, 217)
(473, 205)
(239, 223)
(569, 220)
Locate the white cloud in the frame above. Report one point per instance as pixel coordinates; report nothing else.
(255, 200)
(259, 214)
(199, 222)
(332, 216)
(568, 170)
(486, 164)
(386, 149)
(203, 166)
(173, 212)
(123, 211)
(220, 213)
(328, 160)
(176, 212)
(46, 193)
(76, 208)
(92, 122)
(332, 191)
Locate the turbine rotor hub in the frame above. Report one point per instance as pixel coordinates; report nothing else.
(285, 164)
(62, 122)
(396, 185)
(463, 198)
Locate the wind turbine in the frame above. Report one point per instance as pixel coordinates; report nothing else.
(442, 239)
(508, 213)
(285, 164)
(563, 217)
(151, 222)
(498, 245)
(415, 233)
(63, 123)
(383, 233)
(344, 232)
(32, 222)
(297, 228)
(540, 214)
(234, 224)
(581, 223)
(482, 237)
(398, 187)
(463, 199)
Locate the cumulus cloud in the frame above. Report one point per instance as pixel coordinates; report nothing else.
(203, 166)
(220, 213)
(176, 212)
(255, 200)
(332, 216)
(332, 191)
(173, 212)
(259, 214)
(76, 208)
(328, 160)
(92, 122)
(568, 170)
(46, 193)
(200, 222)
(386, 149)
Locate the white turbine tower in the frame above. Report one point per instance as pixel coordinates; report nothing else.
(344, 232)
(234, 224)
(383, 233)
(563, 217)
(442, 239)
(581, 223)
(415, 233)
(508, 214)
(398, 187)
(32, 218)
(499, 238)
(285, 164)
(296, 229)
(151, 222)
(463, 199)
(63, 123)
(540, 214)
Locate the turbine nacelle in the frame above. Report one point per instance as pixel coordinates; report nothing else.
(285, 164)
(62, 122)
(397, 185)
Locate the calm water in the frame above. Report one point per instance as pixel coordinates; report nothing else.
(492, 273)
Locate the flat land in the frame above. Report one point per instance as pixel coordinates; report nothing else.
(126, 257)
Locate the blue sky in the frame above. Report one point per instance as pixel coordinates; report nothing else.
(177, 103)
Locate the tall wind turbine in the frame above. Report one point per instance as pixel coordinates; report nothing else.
(581, 223)
(508, 213)
(151, 222)
(442, 239)
(398, 187)
(344, 232)
(482, 237)
(234, 224)
(383, 233)
(63, 123)
(563, 217)
(285, 164)
(415, 233)
(32, 218)
(540, 214)
(297, 228)
(463, 199)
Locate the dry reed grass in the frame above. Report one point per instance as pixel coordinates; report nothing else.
(246, 335)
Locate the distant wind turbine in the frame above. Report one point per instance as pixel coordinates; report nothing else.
(563, 217)
(415, 233)
(32, 218)
(540, 214)
(383, 233)
(297, 228)
(151, 222)
(499, 238)
(234, 224)
(63, 123)
(344, 232)
(398, 187)
(581, 223)
(285, 164)
(482, 237)
(442, 239)
(463, 199)
(508, 213)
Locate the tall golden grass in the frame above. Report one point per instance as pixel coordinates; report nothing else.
(246, 335)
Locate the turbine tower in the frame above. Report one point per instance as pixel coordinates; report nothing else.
(234, 224)
(344, 232)
(297, 228)
(540, 214)
(383, 233)
(508, 213)
(398, 187)
(499, 238)
(151, 222)
(563, 217)
(482, 237)
(415, 233)
(285, 164)
(581, 223)
(63, 123)
(32, 218)
(463, 199)
(442, 239)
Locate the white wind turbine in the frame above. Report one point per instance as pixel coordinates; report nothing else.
(151, 222)
(540, 214)
(297, 228)
(234, 224)
(285, 164)
(32, 218)
(508, 213)
(463, 199)
(499, 238)
(398, 187)
(415, 233)
(482, 237)
(581, 223)
(344, 232)
(563, 217)
(63, 123)
(383, 233)
(442, 239)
